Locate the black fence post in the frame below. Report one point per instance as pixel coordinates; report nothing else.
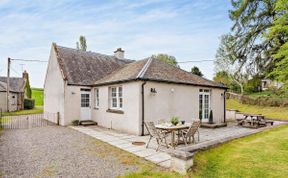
(58, 118)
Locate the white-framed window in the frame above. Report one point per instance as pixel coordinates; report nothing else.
(96, 94)
(116, 99)
(85, 100)
(204, 103)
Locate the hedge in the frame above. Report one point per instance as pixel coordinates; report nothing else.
(29, 103)
(260, 101)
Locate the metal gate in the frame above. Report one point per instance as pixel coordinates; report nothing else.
(28, 121)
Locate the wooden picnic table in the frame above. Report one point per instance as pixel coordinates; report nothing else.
(173, 129)
(254, 120)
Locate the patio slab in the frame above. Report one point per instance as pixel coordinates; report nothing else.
(163, 157)
(165, 164)
(145, 153)
(158, 158)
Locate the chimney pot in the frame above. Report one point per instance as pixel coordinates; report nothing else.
(119, 53)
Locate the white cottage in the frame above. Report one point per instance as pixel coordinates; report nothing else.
(122, 94)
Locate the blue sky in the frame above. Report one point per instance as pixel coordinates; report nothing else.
(188, 30)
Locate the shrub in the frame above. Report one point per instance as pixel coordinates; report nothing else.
(211, 117)
(174, 120)
(75, 122)
(264, 101)
(200, 116)
(29, 103)
(253, 85)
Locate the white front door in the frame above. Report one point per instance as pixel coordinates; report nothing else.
(204, 104)
(85, 105)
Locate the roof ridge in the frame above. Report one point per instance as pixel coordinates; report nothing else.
(144, 69)
(92, 52)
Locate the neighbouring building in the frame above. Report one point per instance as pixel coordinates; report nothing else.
(16, 94)
(268, 83)
(122, 94)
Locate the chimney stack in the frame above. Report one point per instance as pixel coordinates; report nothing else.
(119, 53)
(25, 75)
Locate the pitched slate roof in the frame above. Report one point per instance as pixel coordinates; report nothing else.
(16, 84)
(126, 73)
(156, 70)
(85, 68)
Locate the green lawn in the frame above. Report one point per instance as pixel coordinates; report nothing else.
(269, 112)
(37, 94)
(35, 110)
(261, 155)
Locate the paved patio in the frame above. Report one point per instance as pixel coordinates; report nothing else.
(162, 158)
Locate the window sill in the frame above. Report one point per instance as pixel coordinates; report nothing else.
(115, 111)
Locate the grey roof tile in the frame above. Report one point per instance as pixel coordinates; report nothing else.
(16, 84)
(156, 70)
(88, 68)
(85, 68)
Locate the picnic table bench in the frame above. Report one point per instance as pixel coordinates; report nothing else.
(254, 120)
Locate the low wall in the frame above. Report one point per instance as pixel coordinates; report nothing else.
(260, 101)
(182, 159)
(231, 114)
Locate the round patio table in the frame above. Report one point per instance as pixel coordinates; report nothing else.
(173, 129)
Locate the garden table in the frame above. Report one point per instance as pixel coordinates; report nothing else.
(168, 127)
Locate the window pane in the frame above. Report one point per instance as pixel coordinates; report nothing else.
(96, 97)
(120, 102)
(85, 100)
(120, 92)
(114, 102)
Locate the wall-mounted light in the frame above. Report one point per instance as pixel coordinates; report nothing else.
(172, 90)
(153, 90)
(73, 93)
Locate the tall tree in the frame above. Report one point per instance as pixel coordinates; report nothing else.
(166, 58)
(252, 18)
(249, 49)
(82, 43)
(278, 34)
(222, 77)
(195, 70)
(227, 60)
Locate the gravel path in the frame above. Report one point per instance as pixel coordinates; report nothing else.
(56, 152)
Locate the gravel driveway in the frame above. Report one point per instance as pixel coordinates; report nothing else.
(55, 151)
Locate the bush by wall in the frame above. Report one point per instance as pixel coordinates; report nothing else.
(29, 103)
(260, 101)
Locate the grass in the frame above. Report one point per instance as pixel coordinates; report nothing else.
(269, 112)
(37, 94)
(260, 155)
(35, 110)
